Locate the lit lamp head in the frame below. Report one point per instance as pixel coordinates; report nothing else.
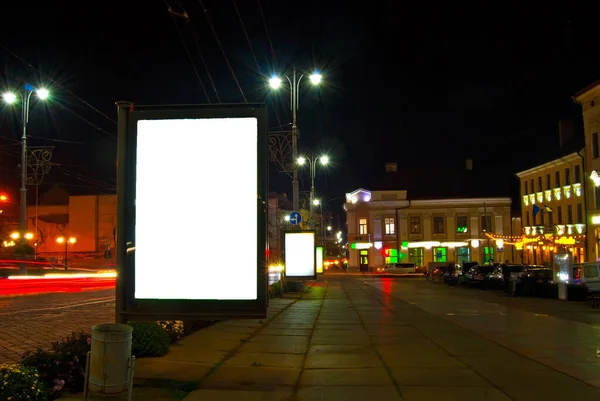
(287, 217)
(324, 160)
(275, 82)
(316, 78)
(72, 240)
(15, 235)
(9, 97)
(43, 93)
(316, 202)
(28, 235)
(3, 198)
(301, 160)
(60, 240)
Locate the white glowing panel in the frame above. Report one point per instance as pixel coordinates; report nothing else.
(193, 177)
(300, 254)
(319, 259)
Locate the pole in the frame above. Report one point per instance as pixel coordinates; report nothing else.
(37, 201)
(313, 167)
(66, 253)
(294, 105)
(23, 191)
(486, 230)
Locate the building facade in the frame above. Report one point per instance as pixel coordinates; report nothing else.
(589, 99)
(553, 210)
(387, 227)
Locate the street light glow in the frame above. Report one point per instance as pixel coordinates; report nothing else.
(275, 82)
(301, 160)
(316, 202)
(60, 240)
(316, 78)
(324, 160)
(43, 93)
(9, 97)
(287, 217)
(3, 198)
(72, 240)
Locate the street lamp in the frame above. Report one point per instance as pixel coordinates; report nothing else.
(67, 242)
(275, 83)
(10, 98)
(312, 162)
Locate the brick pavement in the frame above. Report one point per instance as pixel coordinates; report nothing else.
(35, 321)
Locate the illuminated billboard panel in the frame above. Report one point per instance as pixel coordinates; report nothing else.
(300, 259)
(319, 259)
(189, 169)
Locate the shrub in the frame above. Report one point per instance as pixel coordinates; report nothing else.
(149, 339)
(21, 383)
(174, 328)
(63, 367)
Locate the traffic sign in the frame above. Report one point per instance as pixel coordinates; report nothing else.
(295, 218)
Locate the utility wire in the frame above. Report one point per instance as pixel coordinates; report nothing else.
(212, 82)
(46, 77)
(185, 47)
(212, 28)
(262, 14)
(237, 11)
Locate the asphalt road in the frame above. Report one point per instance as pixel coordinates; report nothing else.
(28, 322)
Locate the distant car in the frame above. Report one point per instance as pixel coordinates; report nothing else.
(398, 268)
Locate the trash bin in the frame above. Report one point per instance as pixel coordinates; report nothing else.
(110, 359)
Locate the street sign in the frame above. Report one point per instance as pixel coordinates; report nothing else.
(295, 218)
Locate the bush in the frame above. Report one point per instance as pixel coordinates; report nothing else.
(63, 367)
(149, 339)
(174, 328)
(21, 383)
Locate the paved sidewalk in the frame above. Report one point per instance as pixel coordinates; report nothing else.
(344, 340)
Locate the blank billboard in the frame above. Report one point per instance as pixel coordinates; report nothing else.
(185, 174)
(300, 260)
(319, 259)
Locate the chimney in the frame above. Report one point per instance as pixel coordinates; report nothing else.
(565, 132)
(469, 164)
(391, 167)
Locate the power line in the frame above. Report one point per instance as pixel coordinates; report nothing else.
(212, 82)
(262, 14)
(112, 136)
(46, 77)
(252, 51)
(212, 28)
(185, 47)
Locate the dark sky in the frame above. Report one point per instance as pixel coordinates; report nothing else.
(420, 85)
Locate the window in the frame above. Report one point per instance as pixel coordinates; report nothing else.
(531, 185)
(559, 214)
(439, 254)
(579, 213)
(590, 271)
(567, 176)
(557, 179)
(488, 253)
(526, 188)
(462, 254)
(597, 196)
(526, 218)
(550, 219)
(541, 217)
(362, 226)
(461, 224)
(540, 184)
(570, 214)
(438, 225)
(415, 225)
(486, 223)
(577, 174)
(390, 227)
(595, 146)
(548, 183)
(416, 256)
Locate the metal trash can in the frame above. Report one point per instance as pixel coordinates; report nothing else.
(110, 360)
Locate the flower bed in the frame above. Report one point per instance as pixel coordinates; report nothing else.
(62, 367)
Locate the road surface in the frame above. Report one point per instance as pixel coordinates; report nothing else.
(28, 322)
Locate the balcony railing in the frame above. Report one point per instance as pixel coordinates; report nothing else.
(359, 237)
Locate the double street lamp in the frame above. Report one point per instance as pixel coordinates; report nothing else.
(67, 242)
(25, 98)
(276, 82)
(312, 163)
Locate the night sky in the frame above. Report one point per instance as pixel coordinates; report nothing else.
(422, 86)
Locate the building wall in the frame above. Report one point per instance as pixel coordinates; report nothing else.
(558, 185)
(414, 228)
(589, 99)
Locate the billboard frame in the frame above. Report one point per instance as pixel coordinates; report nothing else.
(301, 278)
(128, 308)
(317, 259)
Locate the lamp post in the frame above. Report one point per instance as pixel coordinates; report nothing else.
(312, 162)
(67, 242)
(275, 83)
(10, 97)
